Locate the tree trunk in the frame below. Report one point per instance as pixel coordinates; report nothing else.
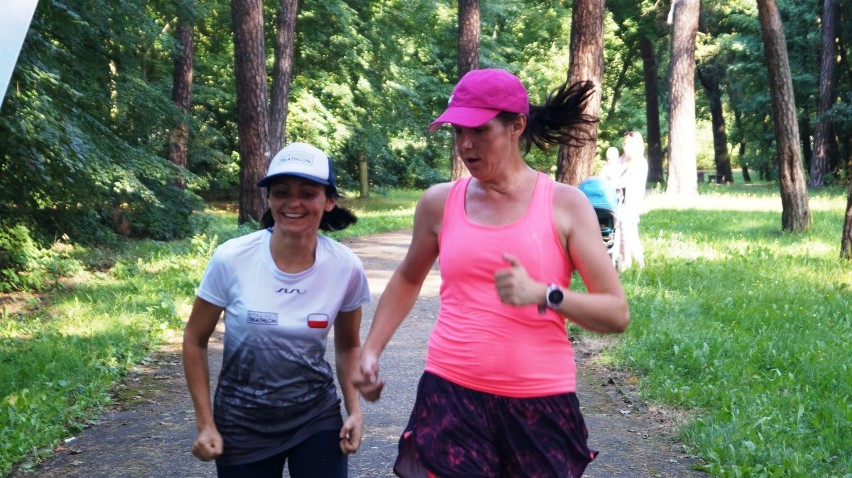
(468, 44)
(846, 239)
(795, 215)
(363, 175)
(738, 120)
(252, 119)
(576, 162)
(743, 164)
(281, 74)
(182, 94)
(822, 136)
(711, 78)
(652, 111)
(619, 84)
(682, 163)
(805, 137)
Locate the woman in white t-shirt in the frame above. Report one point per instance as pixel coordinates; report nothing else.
(282, 289)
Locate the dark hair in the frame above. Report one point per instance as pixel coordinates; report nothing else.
(560, 120)
(338, 219)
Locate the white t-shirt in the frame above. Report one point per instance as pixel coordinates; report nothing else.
(276, 326)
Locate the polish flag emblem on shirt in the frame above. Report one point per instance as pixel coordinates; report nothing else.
(317, 321)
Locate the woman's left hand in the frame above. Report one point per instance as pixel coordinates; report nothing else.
(515, 286)
(350, 434)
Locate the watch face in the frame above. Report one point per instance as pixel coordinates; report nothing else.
(555, 296)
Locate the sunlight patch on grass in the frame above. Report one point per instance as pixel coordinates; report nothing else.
(740, 201)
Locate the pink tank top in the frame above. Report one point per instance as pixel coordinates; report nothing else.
(479, 342)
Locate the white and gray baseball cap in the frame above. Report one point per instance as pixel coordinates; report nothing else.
(301, 160)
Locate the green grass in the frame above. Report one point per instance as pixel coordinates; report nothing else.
(61, 359)
(749, 329)
(378, 213)
(745, 328)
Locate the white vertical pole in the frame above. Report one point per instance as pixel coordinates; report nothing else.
(14, 23)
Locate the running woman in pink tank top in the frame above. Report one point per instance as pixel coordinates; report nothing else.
(497, 398)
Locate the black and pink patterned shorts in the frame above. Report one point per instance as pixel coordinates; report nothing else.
(456, 432)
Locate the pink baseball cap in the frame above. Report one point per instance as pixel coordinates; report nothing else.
(480, 96)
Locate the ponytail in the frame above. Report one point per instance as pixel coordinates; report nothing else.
(560, 120)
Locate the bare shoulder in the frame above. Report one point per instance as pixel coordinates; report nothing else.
(432, 201)
(571, 207)
(566, 196)
(437, 193)
(430, 209)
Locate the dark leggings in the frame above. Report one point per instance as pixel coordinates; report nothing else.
(317, 457)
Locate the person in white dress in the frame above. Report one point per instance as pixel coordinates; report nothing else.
(629, 174)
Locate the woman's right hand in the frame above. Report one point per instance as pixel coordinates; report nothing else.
(208, 446)
(367, 379)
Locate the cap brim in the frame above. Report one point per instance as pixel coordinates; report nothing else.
(464, 116)
(265, 181)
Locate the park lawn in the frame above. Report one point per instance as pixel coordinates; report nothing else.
(748, 328)
(742, 326)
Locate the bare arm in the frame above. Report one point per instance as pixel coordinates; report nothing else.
(347, 351)
(604, 307)
(199, 328)
(403, 288)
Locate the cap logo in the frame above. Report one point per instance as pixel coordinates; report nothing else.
(297, 157)
(450, 101)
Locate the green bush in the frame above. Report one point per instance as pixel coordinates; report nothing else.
(25, 265)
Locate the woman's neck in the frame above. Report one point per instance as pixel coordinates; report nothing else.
(499, 203)
(293, 253)
(513, 182)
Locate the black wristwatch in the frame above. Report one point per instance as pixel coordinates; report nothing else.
(555, 296)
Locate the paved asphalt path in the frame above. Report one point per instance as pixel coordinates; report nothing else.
(150, 433)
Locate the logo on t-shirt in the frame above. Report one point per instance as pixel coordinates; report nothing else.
(262, 318)
(317, 321)
(285, 290)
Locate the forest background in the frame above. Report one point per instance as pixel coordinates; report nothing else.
(92, 127)
(89, 120)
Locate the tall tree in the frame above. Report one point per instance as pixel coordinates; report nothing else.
(822, 136)
(182, 88)
(639, 28)
(252, 119)
(710, 74)
(282, 72)
(846, 238)
(468, 44)
(795, 215)
(618, 88)
(576, 162)
(682, 178)
(652, 110)
(742, 149)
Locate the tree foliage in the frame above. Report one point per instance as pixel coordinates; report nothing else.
(87, 120)
(84, 128)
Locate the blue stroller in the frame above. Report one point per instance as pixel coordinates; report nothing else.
(604, 198)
